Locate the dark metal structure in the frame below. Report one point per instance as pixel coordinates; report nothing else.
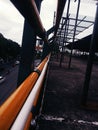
(60, 9)
(69, 29)
(83, 23)
(28, 49)
(93, 47)
(30, 12)
(65, 31)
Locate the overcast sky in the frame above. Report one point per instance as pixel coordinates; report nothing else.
(11, 22)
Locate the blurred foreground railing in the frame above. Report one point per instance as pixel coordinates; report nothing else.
(15, 113)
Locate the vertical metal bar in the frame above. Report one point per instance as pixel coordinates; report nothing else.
(46, 50)
(54, 20)
(74, 33)
(60, 9)
(61, 58)
(60, 32)
(67, 30)
(28, 49)
(93, 46)
(67, 16)
(59, 37)
(78, 23)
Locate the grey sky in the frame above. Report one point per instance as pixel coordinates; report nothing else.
(11, 22)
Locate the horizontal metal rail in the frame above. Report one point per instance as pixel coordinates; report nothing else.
(12, 106)
(88, 21)
(32, 99)
(30, 12)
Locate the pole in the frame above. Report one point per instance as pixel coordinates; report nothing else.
(65, 33)
(60, 9)
(93, 45)
(74, 33)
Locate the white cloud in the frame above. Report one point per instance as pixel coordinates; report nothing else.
(87, 8)
(47, 12)
(11, 22)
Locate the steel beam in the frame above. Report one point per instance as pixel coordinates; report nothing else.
(28, 50)
(65, 32)
(60, 8)
(30, 12)
(77, 14)
(51, 30)
(46, 47)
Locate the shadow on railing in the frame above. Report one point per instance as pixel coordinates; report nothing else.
(15, 112)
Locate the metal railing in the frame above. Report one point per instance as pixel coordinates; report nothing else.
(16, 110)
(30, 12)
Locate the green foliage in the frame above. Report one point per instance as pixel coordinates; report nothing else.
(8, 48)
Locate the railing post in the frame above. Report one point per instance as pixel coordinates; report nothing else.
(27, 52)
(28, 49)
(46, 50)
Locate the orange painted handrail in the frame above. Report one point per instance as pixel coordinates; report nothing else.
(31, 115)
(27, 125)
(30, 103)
(12, 106)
